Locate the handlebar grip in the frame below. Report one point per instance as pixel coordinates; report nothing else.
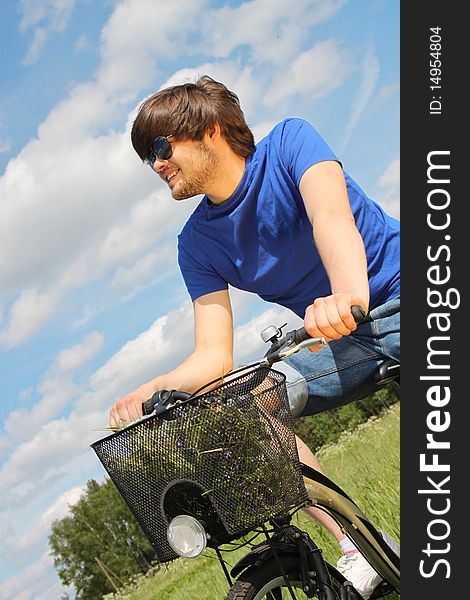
(162, 400)
(149, 406)
(358, 313)
(300, 335)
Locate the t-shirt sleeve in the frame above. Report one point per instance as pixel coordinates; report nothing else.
(199, 278)
(302, 147)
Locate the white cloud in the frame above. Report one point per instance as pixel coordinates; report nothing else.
(128, 66)
(93, 249)
(34, 51)
(391, 176)
(36, 582)
(83, 44)
(166, 343)
(313, 73)
(145, 271)
(56, 13)
(269, 31)
(56, 390)
(23, 424)
(31, 309)
(5, 146)
(383, 94)
(59, 211)
(260, 130)
(54, 16)
(390, 182)
(73, 358)
(370, 72)
(33, 539)
(41, 458)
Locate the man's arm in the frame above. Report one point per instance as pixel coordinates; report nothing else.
(212, 357)
(323, 189)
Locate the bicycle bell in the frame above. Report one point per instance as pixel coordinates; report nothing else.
(272, 333)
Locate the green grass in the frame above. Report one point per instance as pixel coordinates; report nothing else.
(365, 463)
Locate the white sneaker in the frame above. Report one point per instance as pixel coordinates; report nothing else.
(355, 568)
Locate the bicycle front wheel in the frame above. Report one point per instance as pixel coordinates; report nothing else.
(267, 583)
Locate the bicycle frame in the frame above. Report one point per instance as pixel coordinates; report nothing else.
(330, 498)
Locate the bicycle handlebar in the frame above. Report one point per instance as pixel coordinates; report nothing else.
(295, 340)
(280, 349)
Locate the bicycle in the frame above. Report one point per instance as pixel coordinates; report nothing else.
(209, 482)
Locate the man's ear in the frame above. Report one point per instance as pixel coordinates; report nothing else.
(214, 133)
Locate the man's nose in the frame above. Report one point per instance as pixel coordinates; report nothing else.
(159, 164)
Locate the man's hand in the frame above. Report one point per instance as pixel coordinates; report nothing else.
(129, 408)
(331, 317)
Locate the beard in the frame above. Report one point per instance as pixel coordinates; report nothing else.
(199, 172)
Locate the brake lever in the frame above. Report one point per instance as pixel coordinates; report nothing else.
(290, 346)
(311, 343)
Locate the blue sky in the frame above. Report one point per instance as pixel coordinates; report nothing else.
(91, 301)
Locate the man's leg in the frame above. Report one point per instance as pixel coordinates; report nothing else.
(308, 458)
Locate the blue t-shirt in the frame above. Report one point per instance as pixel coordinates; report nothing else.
(261, 240)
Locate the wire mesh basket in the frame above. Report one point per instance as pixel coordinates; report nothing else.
(228, 457)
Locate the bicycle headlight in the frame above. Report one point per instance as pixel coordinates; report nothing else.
(186, 536)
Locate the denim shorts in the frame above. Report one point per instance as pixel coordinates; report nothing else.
(342, 371)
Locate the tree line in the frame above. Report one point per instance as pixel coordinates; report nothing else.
(99, 546)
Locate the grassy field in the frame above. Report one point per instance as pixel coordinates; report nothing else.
(365, 463)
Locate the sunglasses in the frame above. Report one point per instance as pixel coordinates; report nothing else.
(160, 148)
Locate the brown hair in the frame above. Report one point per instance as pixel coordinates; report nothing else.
(189, 111)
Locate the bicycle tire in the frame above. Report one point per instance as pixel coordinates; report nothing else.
(266, 583)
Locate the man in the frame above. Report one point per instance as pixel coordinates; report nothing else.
(283, 220)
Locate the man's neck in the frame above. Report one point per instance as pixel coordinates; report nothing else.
(232, 169)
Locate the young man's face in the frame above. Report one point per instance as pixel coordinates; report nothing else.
(191, 169)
